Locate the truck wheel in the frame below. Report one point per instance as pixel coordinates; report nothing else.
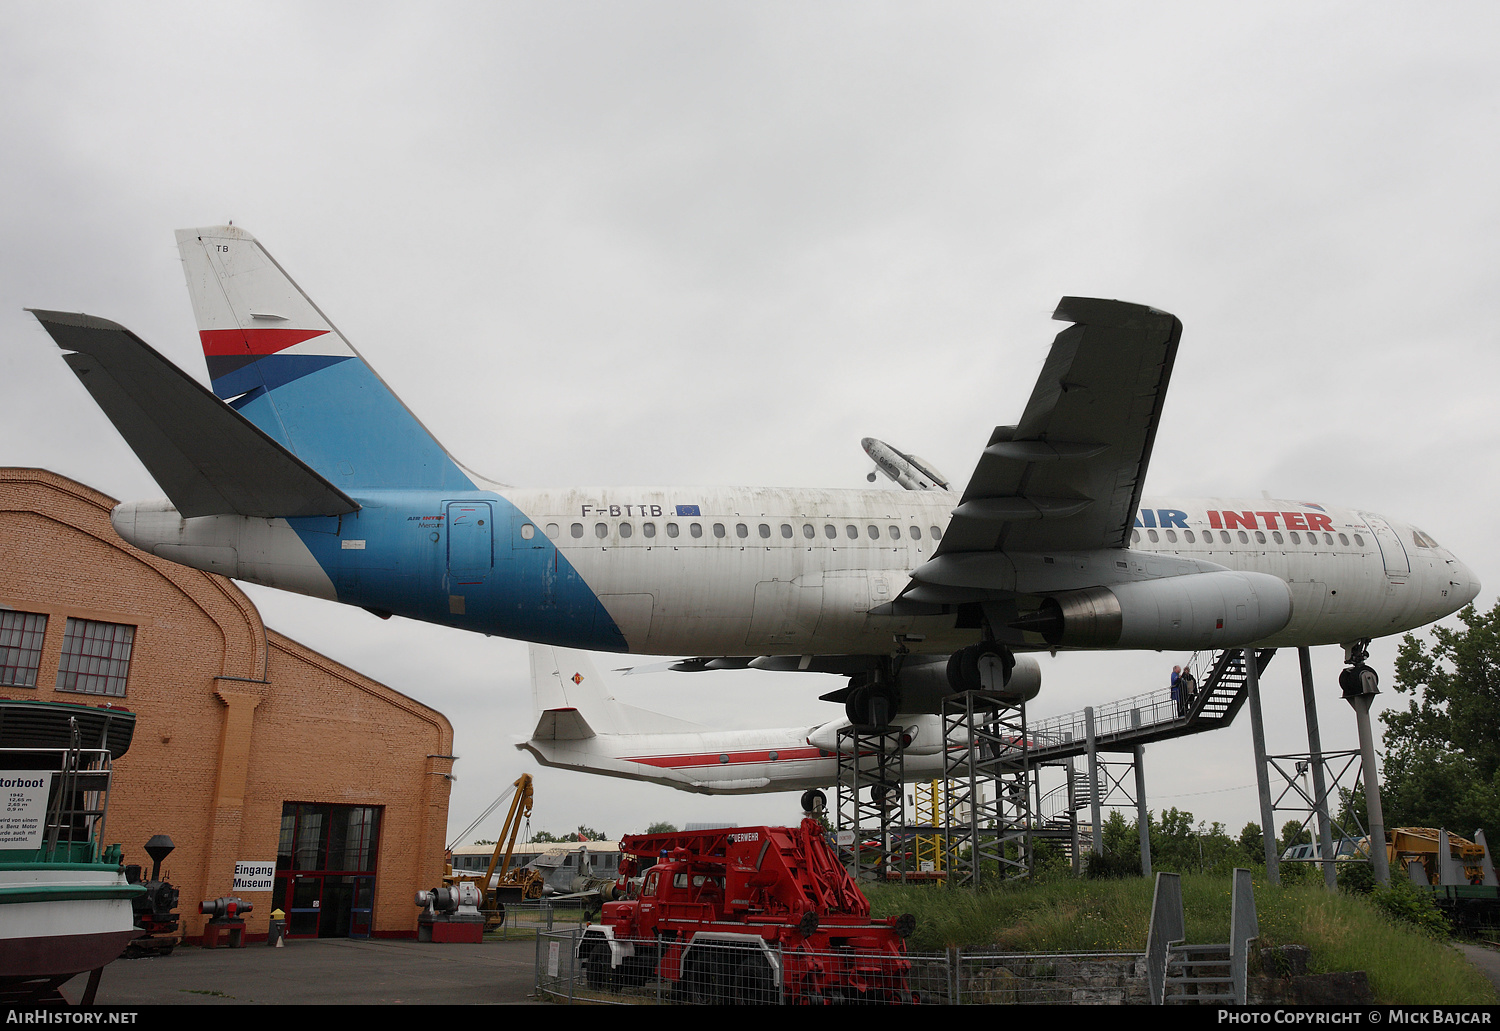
(595, 962)
(753, 983)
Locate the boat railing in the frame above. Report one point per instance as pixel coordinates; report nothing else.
(77, 802)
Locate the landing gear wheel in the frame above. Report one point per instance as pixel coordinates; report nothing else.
(981, 667)
(1359, 680)
(870, 707)
(814, 801)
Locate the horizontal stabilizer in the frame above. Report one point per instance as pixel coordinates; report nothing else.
(562, 725)
(206, 457)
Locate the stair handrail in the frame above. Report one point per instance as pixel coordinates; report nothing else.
(1244, 928)
(1168, 928)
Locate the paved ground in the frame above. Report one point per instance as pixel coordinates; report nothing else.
(329, 970)
(1487, 959)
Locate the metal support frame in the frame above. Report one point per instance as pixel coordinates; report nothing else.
(988, 803)
(1117, 784)
(1319, 774)
(871, 795)
(1338, 773)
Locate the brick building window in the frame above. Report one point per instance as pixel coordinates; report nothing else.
(21, 636)
(95, 657)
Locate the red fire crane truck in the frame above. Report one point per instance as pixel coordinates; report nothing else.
(746, 915)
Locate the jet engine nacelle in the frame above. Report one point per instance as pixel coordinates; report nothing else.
(924, 687)
(1222, 609)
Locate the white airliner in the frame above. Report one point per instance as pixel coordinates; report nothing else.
(581, 726)
(307, 473)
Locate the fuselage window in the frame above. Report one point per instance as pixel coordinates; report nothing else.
(1171, 536)
(576, 529)
(527, 531)
(1135, 536)
(937, 534)
(852, 531)
(719, 530)
(895, 533)
(741, 530)
(1295, 538)
(1328, 540)
(1224, 536)
(553, 530)
(1359, 540)
(672, 530)
(1344, 539)
(1244, 538)
(1260, 537)
(601, 530)
(765, 532)
(916, 533)
(1276, 536)
(830, 531)
(696, 529)
(874, 532)
(1189, 535)
(808, 531)
(786, 531)
(1152, 536)
(625, 530)
(649, 529)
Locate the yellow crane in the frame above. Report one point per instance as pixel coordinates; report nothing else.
(501, 883)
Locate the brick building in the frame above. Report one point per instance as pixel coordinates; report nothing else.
(248, 747)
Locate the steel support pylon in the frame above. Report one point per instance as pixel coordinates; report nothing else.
(987, 809)
(871, 802)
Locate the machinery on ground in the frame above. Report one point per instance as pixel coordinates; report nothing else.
(747, 915)
(156, 910)
(501, 882)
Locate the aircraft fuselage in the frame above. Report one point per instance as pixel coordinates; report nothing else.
(742, 571)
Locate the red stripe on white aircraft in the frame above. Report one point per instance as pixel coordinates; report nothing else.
(713, 758)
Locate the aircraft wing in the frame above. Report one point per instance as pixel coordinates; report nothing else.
(209, 459)
(1068, 476)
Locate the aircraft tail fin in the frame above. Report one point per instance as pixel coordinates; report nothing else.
(278, 360)
(572, 702)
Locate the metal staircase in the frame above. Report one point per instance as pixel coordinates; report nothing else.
(1154, 716)
(1199, 975)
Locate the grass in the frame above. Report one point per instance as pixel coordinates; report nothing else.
(1344, 932)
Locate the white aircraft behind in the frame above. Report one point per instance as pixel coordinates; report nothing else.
(580, 726)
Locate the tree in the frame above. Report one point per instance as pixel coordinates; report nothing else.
(1442, 765)
(1252, 844)
(662, 827)
(1293, 833)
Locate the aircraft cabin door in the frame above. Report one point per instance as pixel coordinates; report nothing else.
(1397, 563)
(471, 541)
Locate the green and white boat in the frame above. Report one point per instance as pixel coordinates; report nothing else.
(64, 901)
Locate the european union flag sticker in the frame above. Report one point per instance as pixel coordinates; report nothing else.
(688, 510)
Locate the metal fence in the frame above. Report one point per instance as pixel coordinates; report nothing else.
(1133, 713)
(740, 974)
(524, 919)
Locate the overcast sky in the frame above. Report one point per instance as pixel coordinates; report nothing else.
(686, 243)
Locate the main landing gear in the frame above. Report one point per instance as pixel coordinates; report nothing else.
(981, 667)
